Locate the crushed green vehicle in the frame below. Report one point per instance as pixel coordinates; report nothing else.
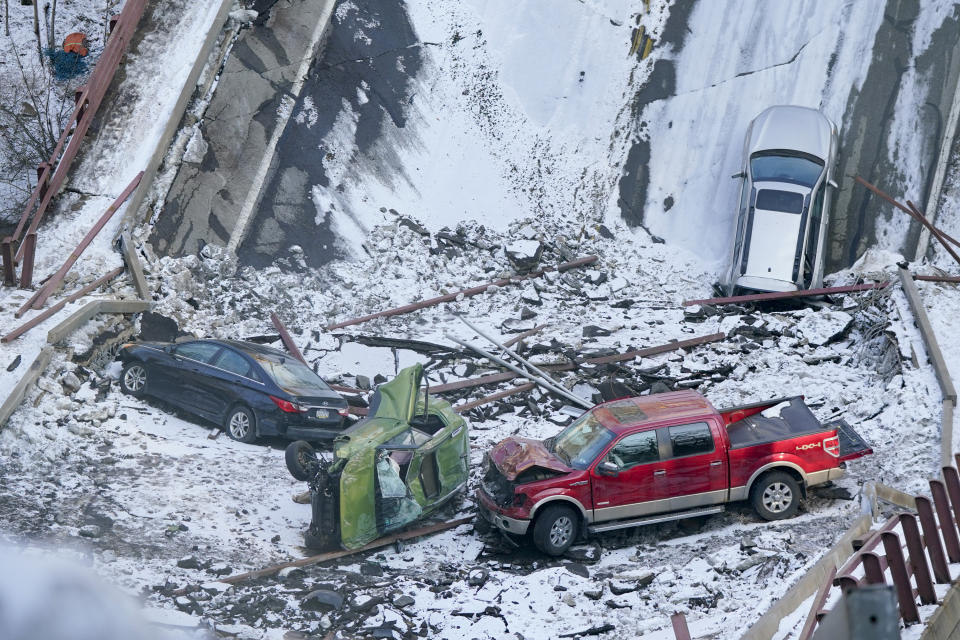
(407, 458)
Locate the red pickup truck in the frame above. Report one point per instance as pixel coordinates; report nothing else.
(654, 458)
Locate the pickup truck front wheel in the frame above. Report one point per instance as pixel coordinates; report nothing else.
(775, 496)
(555, 529)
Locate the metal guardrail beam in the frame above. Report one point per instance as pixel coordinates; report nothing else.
(83, 315)
(20, 389)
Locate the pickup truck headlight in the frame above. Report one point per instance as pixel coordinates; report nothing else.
(519, 499)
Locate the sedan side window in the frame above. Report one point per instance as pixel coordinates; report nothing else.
(234, 363)
(199, 351)
(638, 448)
(690, 439)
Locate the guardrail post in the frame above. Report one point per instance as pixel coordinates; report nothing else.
(872, 570)
(846, 583)
(948, 528)
(26, 272)
(680, 630)
(952, 481)
(901, 579)
(6, 250)
(921, 572)
(931, 538)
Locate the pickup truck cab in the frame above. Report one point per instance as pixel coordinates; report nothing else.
(661, 457)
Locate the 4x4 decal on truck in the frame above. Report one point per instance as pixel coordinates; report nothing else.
(811, 445)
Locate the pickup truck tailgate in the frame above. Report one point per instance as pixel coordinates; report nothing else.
(852, 445)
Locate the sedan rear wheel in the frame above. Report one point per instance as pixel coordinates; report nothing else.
(240, 425)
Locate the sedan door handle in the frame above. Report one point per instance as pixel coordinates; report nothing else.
(660, 472)
(716, 463)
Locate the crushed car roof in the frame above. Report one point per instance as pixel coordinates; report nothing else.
(618, 415)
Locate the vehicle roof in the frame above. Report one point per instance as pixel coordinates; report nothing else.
(620, 415)
(791, 128)
(253, 349)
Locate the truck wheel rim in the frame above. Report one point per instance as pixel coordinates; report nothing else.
(561, 531)
(777, 497)
(135, 378)
(239, 424)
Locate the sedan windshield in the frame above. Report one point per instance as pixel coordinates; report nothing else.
(785, 168)
(582, 441)
(291, 374)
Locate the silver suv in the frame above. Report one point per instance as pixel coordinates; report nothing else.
(788, 164)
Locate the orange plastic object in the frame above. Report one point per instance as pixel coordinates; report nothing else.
(76, 43)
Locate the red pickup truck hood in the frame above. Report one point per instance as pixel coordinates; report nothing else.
(513, 456)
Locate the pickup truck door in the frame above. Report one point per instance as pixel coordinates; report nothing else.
(695, 465)
(640, 487)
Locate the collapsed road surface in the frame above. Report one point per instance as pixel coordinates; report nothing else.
(395, 85)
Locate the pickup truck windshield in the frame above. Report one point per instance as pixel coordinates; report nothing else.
(582, 441)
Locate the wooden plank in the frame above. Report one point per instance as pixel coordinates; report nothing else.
(54, 281)
(450, 297)
(285, 337)
(333, 555)
(40, 317)
(133, 264)
(494, 397)
(20, 389)
(785, 295)
(84, 314)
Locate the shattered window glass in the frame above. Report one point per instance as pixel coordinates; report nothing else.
(582, 441)
(627, 413)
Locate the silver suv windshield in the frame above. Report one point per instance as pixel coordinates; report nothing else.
(777, 167)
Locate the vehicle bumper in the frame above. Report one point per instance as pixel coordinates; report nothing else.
(311, 433)
(819, 477)
(492, 514)
(758, 283)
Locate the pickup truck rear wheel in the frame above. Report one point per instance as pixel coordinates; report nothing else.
(555, 529)
(775, 496)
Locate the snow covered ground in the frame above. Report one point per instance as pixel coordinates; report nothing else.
(140, 492)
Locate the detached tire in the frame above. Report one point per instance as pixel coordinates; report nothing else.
(133, 378)
(555, 529)
(241, 425)
(775, 496)
(301, 460)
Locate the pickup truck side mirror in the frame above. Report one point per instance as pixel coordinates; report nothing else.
(739, 175)
(607, 468)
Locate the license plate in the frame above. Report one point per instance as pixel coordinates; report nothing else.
(322, 413)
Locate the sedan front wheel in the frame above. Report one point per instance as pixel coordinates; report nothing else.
(133, 379)
(240, 425)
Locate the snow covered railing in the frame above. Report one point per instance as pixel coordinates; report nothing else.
(936, 359)
(917, 559)
(52, 174)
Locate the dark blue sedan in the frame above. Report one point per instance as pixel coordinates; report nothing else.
(250, 389)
